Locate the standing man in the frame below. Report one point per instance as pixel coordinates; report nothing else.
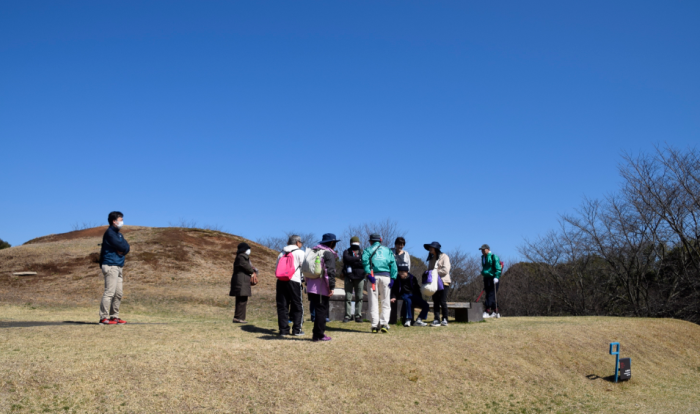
(289, 301)
(354, 272)
(114, 248)
(491, 271)
(380, 262)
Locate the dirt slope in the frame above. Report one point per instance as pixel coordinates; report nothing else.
(165, 264)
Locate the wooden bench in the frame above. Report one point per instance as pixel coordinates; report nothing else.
(464, 311)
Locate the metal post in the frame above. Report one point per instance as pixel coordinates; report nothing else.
(617, 357)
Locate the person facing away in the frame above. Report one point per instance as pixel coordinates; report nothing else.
(112, 256)
(380, 267)
(407, 288)
(491, 271)
(243, 270)
(440, 262)
(289, 292)
(354, 272)
(321, 289)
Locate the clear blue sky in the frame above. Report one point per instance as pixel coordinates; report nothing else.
(466, 121)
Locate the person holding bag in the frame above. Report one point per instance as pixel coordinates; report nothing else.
(380, 267)
(439, 263)
(244, 276)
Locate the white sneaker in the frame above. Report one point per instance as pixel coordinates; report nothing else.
(419, 322)
(486, 315)
(496, 315)
(444, 322)
(435, 323)
(407, 324)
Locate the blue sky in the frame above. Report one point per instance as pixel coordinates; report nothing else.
(467, 122)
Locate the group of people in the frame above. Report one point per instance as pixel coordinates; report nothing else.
(385, 274)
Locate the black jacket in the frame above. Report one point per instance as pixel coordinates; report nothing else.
(240, 280)
(410, 285)
(355, 262)
(114, 248)
(329, 262)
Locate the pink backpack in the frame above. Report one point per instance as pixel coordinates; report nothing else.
(285, 267)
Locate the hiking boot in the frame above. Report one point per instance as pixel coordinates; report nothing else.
(236, 320)
(444, 322)
(375, 329)
(346, 320)
(106, 321)
(435, 323)
(419, 322)
(324, 339)
(358, 319)
(407, 324)
(118, 321)
(385, 329)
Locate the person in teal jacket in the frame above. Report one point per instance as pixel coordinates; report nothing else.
(381, 270)
(491, 271)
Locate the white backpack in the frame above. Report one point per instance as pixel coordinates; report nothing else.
(429, 289)
(312, 267)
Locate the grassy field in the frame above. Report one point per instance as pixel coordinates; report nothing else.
(204, 363)
(189, 357)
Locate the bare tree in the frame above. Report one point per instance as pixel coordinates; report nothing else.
(278, 243)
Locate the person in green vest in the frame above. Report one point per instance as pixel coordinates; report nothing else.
(491, 271)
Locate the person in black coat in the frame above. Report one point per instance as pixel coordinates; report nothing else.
(354, 272)
(243, 270)
(407, 288)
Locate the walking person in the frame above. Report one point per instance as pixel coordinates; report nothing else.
(439, 261)
(243, 273)
(380, 267)
(407, 288)
(321, 289)
(112, 256)
(289, 296)
(491, 271)
(354, 272)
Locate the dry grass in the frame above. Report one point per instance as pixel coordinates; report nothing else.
(210, 365)
(200, 362)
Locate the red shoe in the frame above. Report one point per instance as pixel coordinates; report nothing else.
(117, 321)
(106, 321)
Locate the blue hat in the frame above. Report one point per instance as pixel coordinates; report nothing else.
(328, 238)
(435, 245)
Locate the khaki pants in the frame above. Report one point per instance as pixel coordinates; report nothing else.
(373, 301)
(112, 298)
(356, 286)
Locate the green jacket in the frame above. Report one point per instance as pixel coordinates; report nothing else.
(491, 266)
(382, 262)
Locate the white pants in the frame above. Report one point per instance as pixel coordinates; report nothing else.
(382, 290)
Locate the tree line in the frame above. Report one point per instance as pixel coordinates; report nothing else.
(635, 252)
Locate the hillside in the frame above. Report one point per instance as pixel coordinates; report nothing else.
(181, 353)
(165, 264)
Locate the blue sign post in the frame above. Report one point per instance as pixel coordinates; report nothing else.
(617, 356)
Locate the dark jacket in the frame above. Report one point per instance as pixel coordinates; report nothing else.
(242, 271)
(353, 259)
(114, 248)
(329, 262)
(405, 286)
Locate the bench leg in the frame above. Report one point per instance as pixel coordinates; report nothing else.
(462, 315)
